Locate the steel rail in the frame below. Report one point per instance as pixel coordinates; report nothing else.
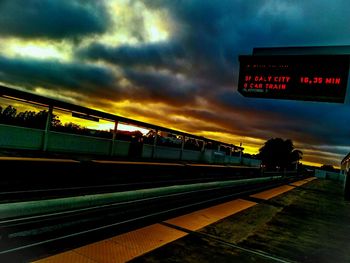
(131, 220)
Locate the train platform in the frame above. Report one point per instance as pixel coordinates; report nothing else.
(306, 221)
(69, 159)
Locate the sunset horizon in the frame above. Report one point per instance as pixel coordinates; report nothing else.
(175, 64)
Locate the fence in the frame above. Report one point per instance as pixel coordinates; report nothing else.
(22, 138)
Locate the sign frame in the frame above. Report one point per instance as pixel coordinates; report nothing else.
(322, 78)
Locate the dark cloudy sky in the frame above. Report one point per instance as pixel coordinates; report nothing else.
(175, 63)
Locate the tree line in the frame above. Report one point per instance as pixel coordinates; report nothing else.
(37, 120)
(275, 154)
(279, 154)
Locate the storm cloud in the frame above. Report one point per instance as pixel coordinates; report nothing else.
(51, 19)
(193, 71)
(157, 55)
(57, 75)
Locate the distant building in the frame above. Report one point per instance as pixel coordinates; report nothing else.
(345, 164)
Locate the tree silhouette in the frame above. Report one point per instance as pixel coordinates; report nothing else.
(278, 153)
(328, 167)
(29, 119)
(8, 115)
(37, 120)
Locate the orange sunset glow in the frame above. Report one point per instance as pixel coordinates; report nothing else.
(174, 64)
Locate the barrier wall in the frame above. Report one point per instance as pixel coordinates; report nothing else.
(190, 155)
(121, 148)
(147, 151)
(218, 157)
(207, 156)
(64, 142)
(232, 160)
(14, 137)
(251, 162)
(168, 153)
(212, 156)
(329, 175)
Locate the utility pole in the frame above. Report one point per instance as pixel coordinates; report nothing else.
(47, 128)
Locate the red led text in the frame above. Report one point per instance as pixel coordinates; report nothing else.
(266, 82)
(320, 80)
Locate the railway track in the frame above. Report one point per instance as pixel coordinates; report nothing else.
(35, 180)
(28, 237)
(33, 193)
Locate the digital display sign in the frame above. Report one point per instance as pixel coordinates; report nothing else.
(298, 77)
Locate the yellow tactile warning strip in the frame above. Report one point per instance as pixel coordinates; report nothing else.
(268, 194)
(135, 243)
(311, 179)
(130, 245)
(120, 248)
(300, 183)
(205, 217)
(67, 257)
